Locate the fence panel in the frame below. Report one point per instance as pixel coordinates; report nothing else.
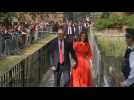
(107, 69)
(30, 70)
(97, 67)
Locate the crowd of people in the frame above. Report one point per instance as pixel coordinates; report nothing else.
(74, 28)
(72, 35)
(16, 36)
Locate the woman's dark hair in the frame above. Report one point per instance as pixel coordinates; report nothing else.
(86, 39)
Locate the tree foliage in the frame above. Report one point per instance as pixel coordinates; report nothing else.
(113, 21)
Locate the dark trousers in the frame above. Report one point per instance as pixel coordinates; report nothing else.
(66, 76)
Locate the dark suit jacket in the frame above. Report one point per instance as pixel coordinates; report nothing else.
(77, 30)
(68, 49)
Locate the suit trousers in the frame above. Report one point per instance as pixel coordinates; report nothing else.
(62, 76)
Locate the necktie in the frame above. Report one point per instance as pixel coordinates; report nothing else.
(61, 54)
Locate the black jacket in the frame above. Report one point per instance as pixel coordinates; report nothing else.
(68, 49)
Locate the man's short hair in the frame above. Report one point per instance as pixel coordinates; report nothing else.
(130, 33)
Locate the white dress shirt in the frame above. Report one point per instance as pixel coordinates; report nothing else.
(74, 29)
(130, 79)
(69, 30)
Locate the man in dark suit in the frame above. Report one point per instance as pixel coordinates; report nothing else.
(63, 64)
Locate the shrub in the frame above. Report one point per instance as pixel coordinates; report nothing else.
(114, 21)
(111, 46)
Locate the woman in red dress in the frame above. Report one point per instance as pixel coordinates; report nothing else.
(81, 73)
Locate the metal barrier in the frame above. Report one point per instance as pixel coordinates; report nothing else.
(112, 60)
(106, 69)
(97, 65)
(13, 45)
(28, 72)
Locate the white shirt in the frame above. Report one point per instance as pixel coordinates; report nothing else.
(80, 29)
(74, 29)
(62, 47)
(130, 79)
(69, 30)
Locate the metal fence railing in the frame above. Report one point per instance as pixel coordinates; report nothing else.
(112, 56)
(97, 67)
(28, 72)
(17, 41)
(106, 68)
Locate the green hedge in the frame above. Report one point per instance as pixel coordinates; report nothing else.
(111, 46)
(130, 21)
(114, 21)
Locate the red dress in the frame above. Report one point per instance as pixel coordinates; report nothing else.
(81, 73)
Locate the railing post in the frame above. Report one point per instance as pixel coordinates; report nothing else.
(23, 73)
(40, 63)
(101, 71)
(26, 70)
(97, 60)
(10, 78)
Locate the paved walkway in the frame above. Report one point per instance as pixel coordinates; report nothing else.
(48, 79)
